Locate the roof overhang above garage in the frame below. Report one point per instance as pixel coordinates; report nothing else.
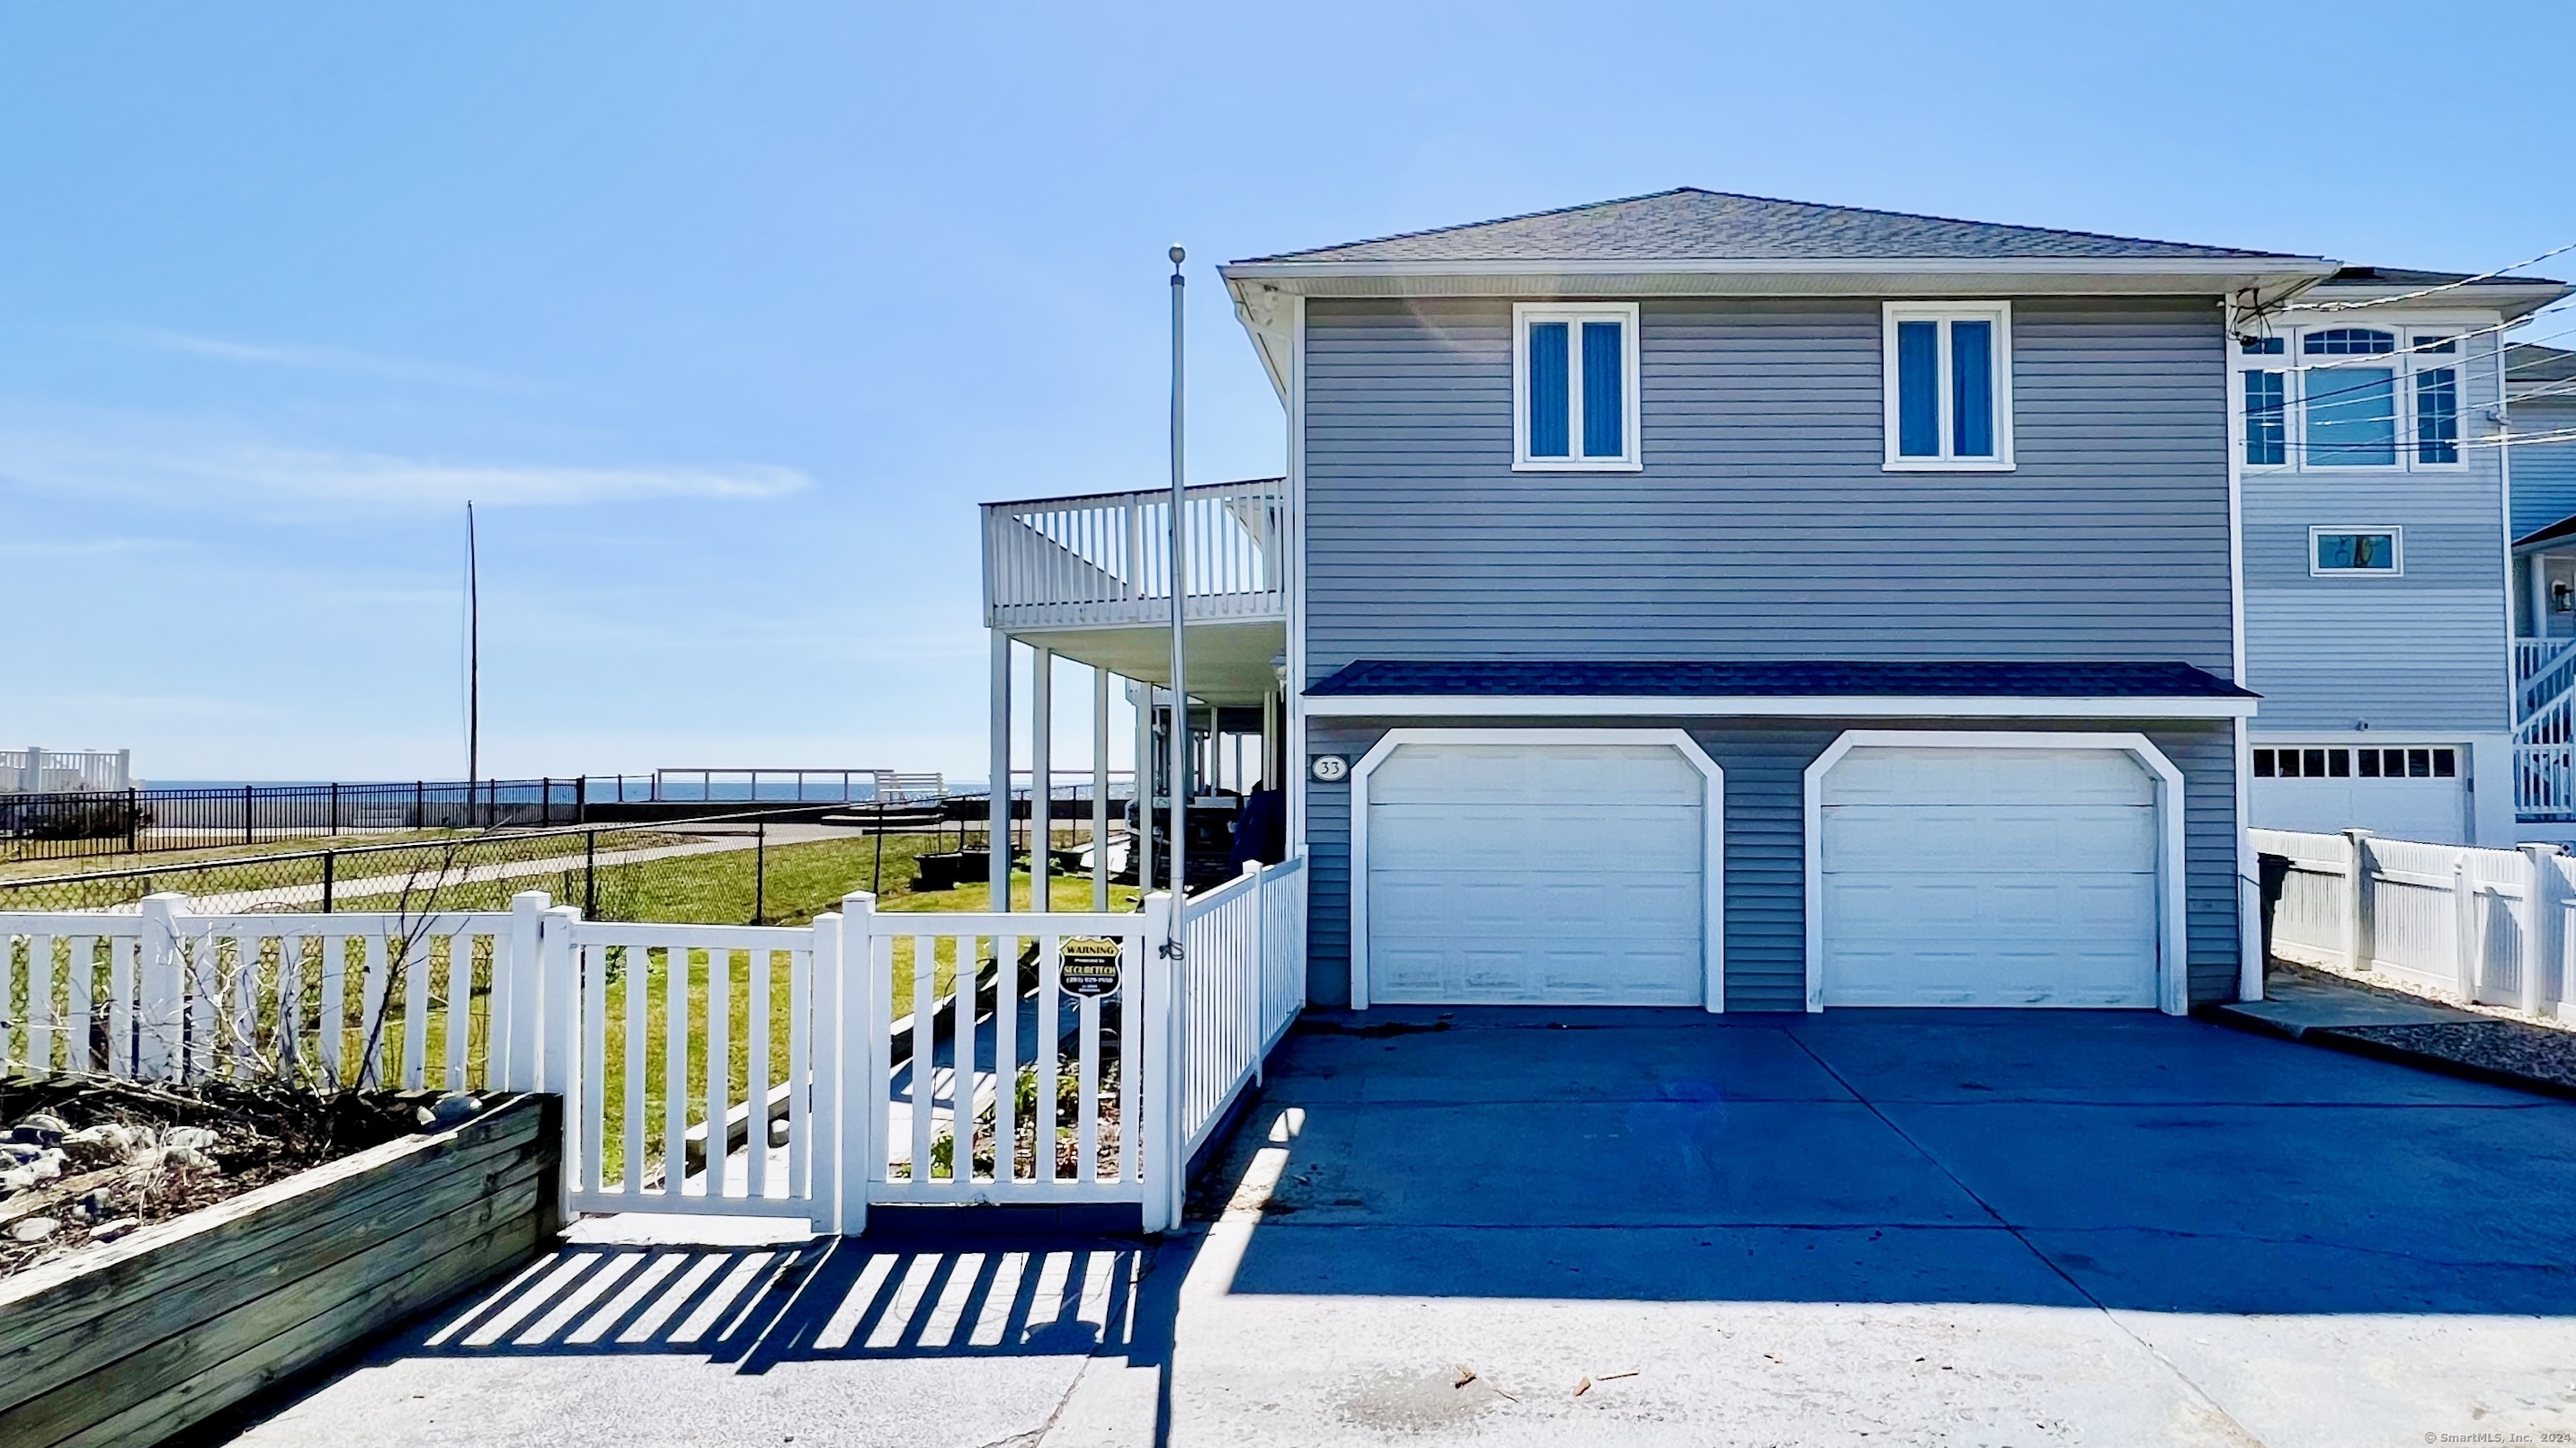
(1846, 689)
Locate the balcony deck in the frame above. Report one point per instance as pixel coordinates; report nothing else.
(1104, 560)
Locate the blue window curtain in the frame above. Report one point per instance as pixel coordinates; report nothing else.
(2267, 419)
(1972, 389)
(1918, 390)
(1604, 419)
(1550, 406)
(2437, 416)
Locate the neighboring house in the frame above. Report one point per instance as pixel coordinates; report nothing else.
(2540, 392)
(2377, 591)
(1699, 599)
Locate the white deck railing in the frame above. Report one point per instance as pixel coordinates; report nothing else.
(1105, 560)
(64, 771)
(2491, 926)
(927, 1058)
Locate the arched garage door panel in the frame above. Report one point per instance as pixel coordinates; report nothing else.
(1989, 877)
(1535, 874)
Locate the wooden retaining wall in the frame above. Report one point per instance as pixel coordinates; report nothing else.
(159, 1331)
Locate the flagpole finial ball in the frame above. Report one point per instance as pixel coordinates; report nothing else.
(1179, 256)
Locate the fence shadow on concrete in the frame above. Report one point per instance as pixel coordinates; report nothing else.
(757, 1306)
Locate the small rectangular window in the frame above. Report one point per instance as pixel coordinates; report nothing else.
(2369, 762)
(2263, 346)
(2352, 552)
(2445, 764)
(2437, 405)
(2312, 763)
(1948, 375)
(2262, 764)
(1576, 393)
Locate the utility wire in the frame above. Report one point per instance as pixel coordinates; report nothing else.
(2429, 291)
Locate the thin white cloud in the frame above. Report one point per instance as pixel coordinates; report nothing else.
(307, 356)
(83, 547)
(147, 459)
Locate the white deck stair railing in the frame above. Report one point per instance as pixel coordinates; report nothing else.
(667, 1041)
(2544, 759)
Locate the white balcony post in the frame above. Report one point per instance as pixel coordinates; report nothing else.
(828, 1089)
(1142, 844)
(2538, 925)
(1100, 789)
(998, 816)
(559, 1013)
(1041, 772)
(1253, 998)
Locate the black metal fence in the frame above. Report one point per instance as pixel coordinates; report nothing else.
(139, 821)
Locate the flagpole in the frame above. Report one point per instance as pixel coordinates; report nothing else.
(1180, 765)
(473, 665)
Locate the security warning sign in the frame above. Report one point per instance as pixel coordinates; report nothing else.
(1087, 965)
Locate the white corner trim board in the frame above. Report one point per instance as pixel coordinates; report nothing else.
(2172, 955)
(1861, 706)
(1712, 845)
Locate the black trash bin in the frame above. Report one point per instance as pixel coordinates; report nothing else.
(2275, 872)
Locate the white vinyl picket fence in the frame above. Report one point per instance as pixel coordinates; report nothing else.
(2492, 926)
(869, 1057)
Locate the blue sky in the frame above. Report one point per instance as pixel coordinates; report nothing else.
(727, 315)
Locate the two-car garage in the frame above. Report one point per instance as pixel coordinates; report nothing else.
(1589, 867)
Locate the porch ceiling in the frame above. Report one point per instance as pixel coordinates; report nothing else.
(1229, 662)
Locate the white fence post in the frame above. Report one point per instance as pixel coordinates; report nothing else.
(822, 1088)
(559, 1016)
(1256, 998)
(2358, 945)
(157, 1031)
(511, 1039)
(2538, 925)
(2464, 957)
(867, 1017)
(1166, 971)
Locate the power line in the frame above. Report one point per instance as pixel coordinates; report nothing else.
(2428, 291)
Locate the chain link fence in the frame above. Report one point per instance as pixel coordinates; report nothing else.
(608, 871)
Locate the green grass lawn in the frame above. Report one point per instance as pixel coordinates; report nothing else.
(803, 880)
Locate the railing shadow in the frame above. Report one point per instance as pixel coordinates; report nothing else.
(827, 1299)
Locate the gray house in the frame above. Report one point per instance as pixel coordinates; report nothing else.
(1704, 600)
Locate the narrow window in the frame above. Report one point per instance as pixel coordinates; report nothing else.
(2437, 404)
(2346, 552)
(1550, 402)
(1574, 366)
(2419, 763)
(1949, 385)
(1972, 389)
(2313, 763)
(2339, 764)
(2369, 764)
(2267, 419)
(1918, 389)
(2445, 764)
(2351, 407)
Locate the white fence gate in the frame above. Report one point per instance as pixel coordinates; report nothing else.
(2491, 926)
(869, 1057)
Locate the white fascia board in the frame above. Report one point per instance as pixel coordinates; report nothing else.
(1863, 706)
(1893, 276)
(2515, 300)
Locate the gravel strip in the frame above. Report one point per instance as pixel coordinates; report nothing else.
(2511, 1048)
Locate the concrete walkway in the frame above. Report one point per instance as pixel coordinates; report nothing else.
(1861, 1228)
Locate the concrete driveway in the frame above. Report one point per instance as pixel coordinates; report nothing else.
(1863, 1228)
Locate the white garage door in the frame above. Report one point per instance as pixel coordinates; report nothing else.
(1989, 877)
(1535, 873)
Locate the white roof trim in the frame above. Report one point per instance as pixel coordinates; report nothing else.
(2191, 266)
(1851, 706)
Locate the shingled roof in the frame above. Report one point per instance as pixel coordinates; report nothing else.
(1690, 224)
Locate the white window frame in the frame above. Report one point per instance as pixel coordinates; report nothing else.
(2396, 549)
(1943, 313)
(1632, 455)
(2405, 363)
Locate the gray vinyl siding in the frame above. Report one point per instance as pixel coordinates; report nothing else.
(1765, 764)
(1763, 524)
(2425, 651)
(2544, 473)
